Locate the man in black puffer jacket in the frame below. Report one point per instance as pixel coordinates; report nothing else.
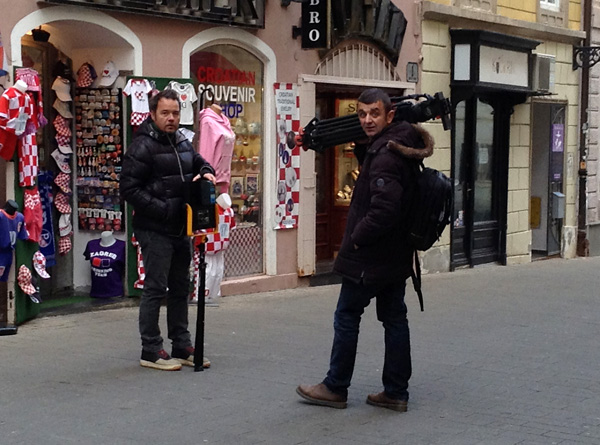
(158, 168)
(375, 258)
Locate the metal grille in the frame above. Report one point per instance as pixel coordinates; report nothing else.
(358, 61)
(244, 255)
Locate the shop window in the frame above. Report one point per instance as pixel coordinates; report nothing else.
(346, 165)
(233, 78)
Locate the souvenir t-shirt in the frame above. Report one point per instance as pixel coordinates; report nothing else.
(108, 267)
(138, 89)
(11, 228)
(187, 96)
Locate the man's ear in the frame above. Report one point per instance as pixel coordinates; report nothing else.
(390, 115)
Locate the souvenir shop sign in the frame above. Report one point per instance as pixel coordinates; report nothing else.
(243, 13)
(230, 88)
(288, 179)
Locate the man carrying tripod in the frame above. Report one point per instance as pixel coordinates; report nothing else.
(375, 258)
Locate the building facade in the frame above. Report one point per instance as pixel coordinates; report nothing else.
(250, 58)
(513, 152)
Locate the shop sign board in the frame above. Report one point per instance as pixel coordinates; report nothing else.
(244, 13)
(230, 88)
(287, 106)
(314, 24)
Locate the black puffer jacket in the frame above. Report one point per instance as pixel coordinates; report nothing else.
(157, 171)
(379, 205)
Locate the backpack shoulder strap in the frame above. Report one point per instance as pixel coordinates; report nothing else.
(415, 275)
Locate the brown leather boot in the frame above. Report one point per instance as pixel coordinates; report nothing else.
(384, 401)
(321, 395)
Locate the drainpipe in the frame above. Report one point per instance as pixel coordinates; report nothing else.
(582, 241)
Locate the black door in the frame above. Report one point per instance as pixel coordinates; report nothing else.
(479, 172)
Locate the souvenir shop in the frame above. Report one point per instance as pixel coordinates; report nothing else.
(77, 117)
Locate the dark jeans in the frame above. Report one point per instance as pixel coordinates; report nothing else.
(167, 267)
(391, 311)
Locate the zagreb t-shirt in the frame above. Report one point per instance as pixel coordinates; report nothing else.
(108, 267)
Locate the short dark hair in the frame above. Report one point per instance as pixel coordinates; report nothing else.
(372, 95)
(164, 94)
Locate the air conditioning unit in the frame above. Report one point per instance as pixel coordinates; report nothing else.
(543, 73)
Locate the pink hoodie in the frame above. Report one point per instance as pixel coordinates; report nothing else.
(216, 145)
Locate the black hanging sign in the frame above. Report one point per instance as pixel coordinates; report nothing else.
(314, 24)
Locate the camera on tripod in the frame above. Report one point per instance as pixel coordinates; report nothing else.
(201, 206)
(318, 135)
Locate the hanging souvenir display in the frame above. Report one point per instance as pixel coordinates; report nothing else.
(99, 157)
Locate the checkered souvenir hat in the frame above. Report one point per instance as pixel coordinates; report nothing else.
(62, 180)
(64, 245)
(62, 126)
(85, 75)
(61, 201)
(39, 264)
(24, 280)
(65, 228)
(62, 161)
(64, 144)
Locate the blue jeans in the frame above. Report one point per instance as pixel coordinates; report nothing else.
(391, 311)
(167, 267)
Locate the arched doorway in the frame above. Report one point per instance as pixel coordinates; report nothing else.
(75, 36)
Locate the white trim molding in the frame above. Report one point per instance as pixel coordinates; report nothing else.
(58, 13)
(255, 46)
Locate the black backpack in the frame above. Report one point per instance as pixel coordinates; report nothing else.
(430, 213)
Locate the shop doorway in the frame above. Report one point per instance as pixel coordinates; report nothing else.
(547, 200)
(480, 162)
(336, 170)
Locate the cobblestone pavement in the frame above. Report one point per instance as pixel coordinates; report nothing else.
(501, 355)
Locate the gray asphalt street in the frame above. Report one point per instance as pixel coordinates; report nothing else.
(501, 355)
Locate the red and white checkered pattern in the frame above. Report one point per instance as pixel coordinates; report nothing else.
(64, 245)
(195, 274)
(61, 201)
(137, 118)
(15, 109)
(217, 241)
(24, 279)
(33, 213)
(62, 127)
(28, 160)
(63, 180)
(39, 264)
(286, 215)
(139, 283)
(84, 76)
(30, 77)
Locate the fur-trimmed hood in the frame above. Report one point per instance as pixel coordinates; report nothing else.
(415, 153)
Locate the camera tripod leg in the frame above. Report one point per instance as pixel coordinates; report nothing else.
(199, 342)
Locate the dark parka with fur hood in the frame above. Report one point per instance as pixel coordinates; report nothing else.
(380, 203)
(157, 171)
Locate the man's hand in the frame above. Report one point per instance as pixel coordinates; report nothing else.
(208, 176)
